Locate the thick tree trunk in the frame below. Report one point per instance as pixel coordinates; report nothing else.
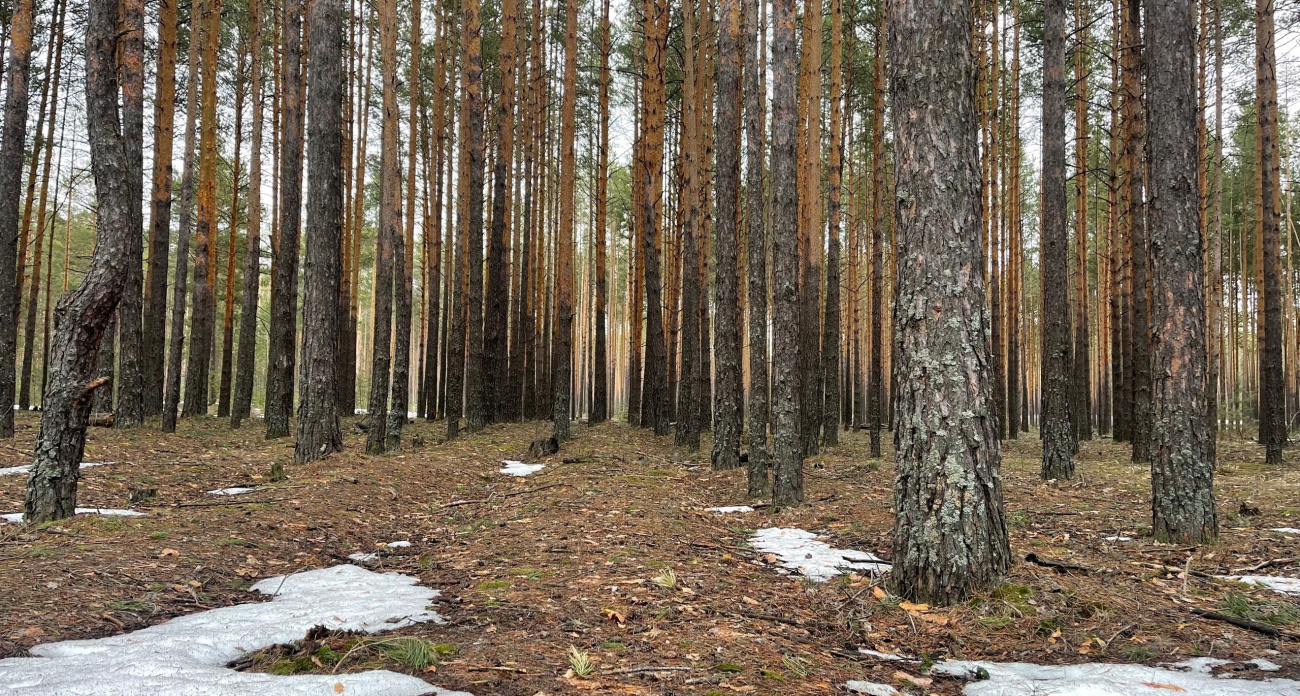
(85, 313)
(1058, 436)
(729, 391)
(810, 231)
(243, 398)
(498, 282)
(1272, 389)
(950, 536)
(876, 408)
(130, 407)
(755, 199)
(155, 287)
(563, 356)
(12, 148)
(318, 423)
(281, 352)
(655, 410)
(176, 351)
(203, 319)
(787, 450)
(1182, 467)
(600, 358)
(1139, 289)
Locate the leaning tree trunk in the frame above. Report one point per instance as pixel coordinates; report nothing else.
(730, 390)
(85, 313)
(950, 536)
(281, 341)
(12, 139)
(755, 200)
(787, 450)
(1058, 436)
(318, 422)
(1182, 468)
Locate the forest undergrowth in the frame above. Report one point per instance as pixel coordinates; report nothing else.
(605, 572)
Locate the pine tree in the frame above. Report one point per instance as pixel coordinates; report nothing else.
(756, 229)
(243, 398)
(655, 409)
(155, 283)
(563, 357)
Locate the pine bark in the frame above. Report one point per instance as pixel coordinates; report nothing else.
(247, 358)
(1182, 466)
(756, 231)
(950, 535)
(876, 409)
(477, 415)
(155, 284)
(85, 313)
(1057, 433)
(600, 358)
(729, 391)
(1140, 374)
(1080, 382)
(787, 450)
(562, 360)
(690, 202)
(495, 339)
(835, 161)
(404, 258)
(281, 354)
(318, 423)
(12, 148)
(388, 243)
(1272, 389)
(655, 409)
(226, 381)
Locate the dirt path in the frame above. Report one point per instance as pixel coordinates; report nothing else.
(569, 556)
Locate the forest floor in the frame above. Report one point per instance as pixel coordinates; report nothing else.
(570, 555)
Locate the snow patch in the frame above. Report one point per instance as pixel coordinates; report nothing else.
(234, 490)
(887, 657)
(1285, 530)
(17, 517)
(727, 509)
(1119, 538)
(399, 544)
(517, 468)
(26, 469)
(1263, 665)
(870, 688)
(188, 655)
(799, 550)
(363, 557)
(1277, 583)
(1101, 679)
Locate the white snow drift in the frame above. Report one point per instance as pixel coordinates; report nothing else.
(517, 468)
(26, 469)
(187, 655)
(799, 550)
(17, 517)
(728, 509)
(1277, 583)
(1101, 679)
(233, 490)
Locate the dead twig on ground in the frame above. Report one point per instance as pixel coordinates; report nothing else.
(1058, 566)
(1265, 564)
(642, 670)
(1266, 629)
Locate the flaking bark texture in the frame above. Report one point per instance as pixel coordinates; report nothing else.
(12, 146)
(1182, 468)
(950, 536)
(281, 352)
(1057, 433)
(85, 313)
(729, 391)
(755, 199)
(787, 450)
(318, 423)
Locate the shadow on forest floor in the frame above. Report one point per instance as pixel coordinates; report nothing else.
(577, 553)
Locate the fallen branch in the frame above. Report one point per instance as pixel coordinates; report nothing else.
(1265, 564)
(1266, 629)
(515, 670)
(1058, 566)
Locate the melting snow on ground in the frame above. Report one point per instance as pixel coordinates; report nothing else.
(731, 508)
(24, 470)
(368, 557)
(235, 490)
(188, 654)
(516, 468)
(870, 688)
(1119, 538)
(1277, 583)
(17, 517)
(800, 550)
(1101, 679)
(1285, 530)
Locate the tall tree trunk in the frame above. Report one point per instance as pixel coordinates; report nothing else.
(729, 391)
(176, 351)
(433, 376)
(155, 283)
(1058, 436)
(498, 282)
(1139, 291)
(787, 450)
(600, 360)
(475, 376)
(562, 360)
(1272, 391)
(243, 400)
(232, 236)
(1015, 368)
(388, 242)
(12, 149)
(456, 337)
(950, 536)
(810, 231)
(831, 314)
(281, 352)
(756, 230)
(1215, 285)
(691, 195)
(655, 407)
(130, 407)
(318, 423)
(85, 313)
(1182, 466)
(876, 410)
(1081, 386)
(202, 321)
